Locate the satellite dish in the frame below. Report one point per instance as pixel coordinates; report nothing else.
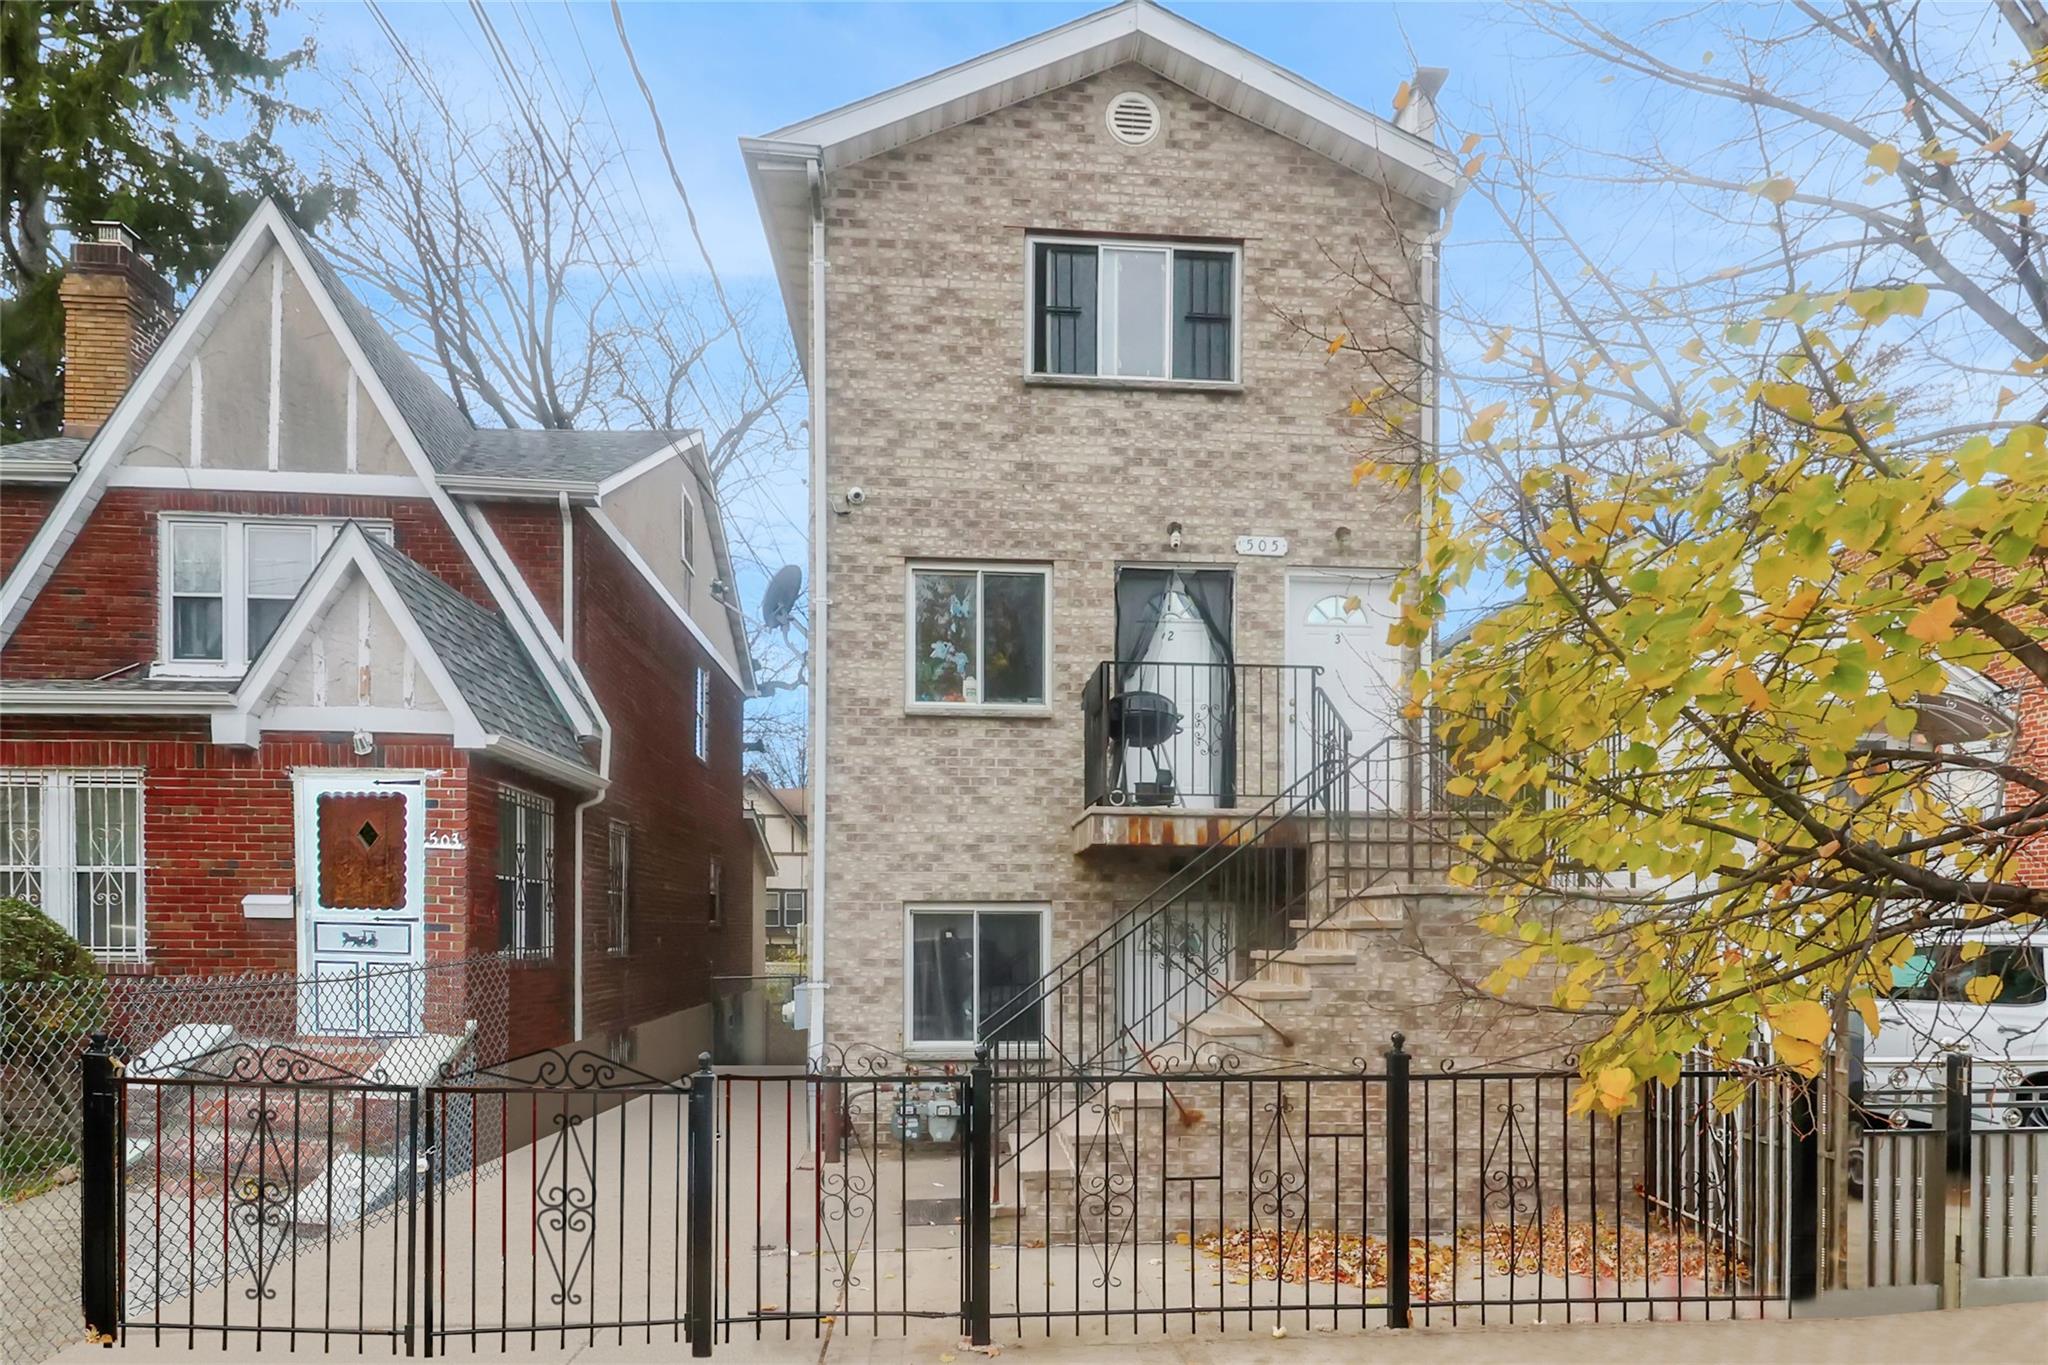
(778, 602)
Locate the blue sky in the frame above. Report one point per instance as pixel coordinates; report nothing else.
(723, 71)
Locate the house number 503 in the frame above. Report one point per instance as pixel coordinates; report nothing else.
(1271, 547)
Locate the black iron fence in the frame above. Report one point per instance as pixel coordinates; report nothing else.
(1201, 735)
(569, 1200)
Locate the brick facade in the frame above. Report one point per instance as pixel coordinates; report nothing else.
(23, 506)
(683, 811)
(98, 612)
(962, 458)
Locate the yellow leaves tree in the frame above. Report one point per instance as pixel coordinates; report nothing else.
(1766, 545)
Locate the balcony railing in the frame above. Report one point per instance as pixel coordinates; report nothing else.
(1196, 735)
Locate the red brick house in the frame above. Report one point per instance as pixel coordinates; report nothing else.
(302, 671)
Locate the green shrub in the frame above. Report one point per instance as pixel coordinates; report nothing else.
(53, 996)
(34, 948)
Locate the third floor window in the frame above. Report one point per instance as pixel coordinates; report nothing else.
(1134, 310)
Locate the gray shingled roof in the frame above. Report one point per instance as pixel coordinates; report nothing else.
(569, 455)
(483, 657)
(67, 448)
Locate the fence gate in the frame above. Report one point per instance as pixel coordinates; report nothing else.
(255, 1192)
(557, 1206)
(869, 1228)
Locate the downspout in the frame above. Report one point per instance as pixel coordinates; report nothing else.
(820, 604)
(604, 753)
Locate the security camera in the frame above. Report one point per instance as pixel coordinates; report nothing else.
(856, 495)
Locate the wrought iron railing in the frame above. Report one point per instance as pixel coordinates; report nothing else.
(1197, 735)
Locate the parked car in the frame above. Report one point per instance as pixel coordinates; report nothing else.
(1928, 1012)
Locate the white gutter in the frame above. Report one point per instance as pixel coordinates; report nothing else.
(817, 985)
(604, 753)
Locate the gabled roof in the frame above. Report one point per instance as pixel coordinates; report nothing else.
(1139, 31)
(481, 672)
(445, 448)
(486, 664)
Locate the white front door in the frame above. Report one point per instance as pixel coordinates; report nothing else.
(362, 902)
(1339, 622)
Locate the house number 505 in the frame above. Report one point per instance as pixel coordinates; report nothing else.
(1271, 547)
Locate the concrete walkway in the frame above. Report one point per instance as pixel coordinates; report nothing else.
(1973, 1334)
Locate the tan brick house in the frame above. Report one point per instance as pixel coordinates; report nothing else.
(302, 672)
(1084, 520)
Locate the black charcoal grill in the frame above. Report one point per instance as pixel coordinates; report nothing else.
(1142, 720)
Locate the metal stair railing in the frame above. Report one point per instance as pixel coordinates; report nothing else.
(1133, 986)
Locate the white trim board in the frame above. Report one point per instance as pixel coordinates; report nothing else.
(646, 571)
(265, 481)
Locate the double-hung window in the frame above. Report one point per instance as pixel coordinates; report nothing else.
(979, 635)
(225, 584)
(1134, 310)
(526, 873)
(969, 968)
(785, 909)
(71, 844)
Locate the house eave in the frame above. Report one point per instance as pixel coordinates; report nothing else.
(520, 754)
(61, 701)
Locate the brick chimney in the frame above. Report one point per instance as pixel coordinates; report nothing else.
(116, 310)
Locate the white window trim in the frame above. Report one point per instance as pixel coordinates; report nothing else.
(58, 834)
(1032, 374)
(686, 546)
(911, 703)
(234, 660)
(949, 1048)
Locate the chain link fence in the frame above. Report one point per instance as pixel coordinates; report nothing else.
(406, 1027)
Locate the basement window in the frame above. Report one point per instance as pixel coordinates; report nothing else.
(969, 966)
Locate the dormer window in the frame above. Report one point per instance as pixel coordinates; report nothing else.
(225, 584)
(1134, 311)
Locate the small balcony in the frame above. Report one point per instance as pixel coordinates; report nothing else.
(1174, 754)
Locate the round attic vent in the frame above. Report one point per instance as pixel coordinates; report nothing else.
(1133, 118)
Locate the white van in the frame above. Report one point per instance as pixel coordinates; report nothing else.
(1928, 1012)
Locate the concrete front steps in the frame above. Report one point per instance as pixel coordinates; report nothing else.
(1272, 1016)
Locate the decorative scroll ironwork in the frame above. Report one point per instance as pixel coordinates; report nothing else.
(262, 1191)
(567, 1200)
(554, 1069)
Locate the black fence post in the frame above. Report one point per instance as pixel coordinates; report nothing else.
(1397, 1185)
(99, 1189)
(703, 1182)
(981, 1147)
(1802, 1240)
(1946, 1256)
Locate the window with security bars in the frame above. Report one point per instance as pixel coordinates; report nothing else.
(701, 741)
(526, 873)
(71, 844)
(618, 886)
(1120, 309)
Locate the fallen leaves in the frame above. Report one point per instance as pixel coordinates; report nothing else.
(1519, 1246)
